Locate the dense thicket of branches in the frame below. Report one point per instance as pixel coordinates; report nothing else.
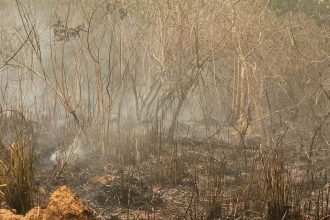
(260, 67)
(216, 96)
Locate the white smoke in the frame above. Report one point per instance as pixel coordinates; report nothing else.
(75, 151)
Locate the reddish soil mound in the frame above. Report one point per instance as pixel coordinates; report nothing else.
(63, 205)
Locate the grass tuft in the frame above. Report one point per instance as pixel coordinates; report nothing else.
(17, 176)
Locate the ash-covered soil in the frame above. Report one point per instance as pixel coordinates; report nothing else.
(189, 181)
(185, 179)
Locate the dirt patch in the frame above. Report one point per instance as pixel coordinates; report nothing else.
(63, 204)
(9, 215)
(104, 179)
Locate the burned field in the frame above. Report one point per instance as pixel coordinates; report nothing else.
(148, 178)
(140, 109)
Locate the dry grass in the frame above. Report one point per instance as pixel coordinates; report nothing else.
(18, 176)
(17, 164)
